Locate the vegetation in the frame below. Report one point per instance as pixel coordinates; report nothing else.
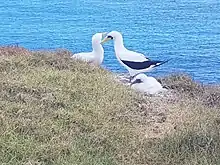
(54, 110)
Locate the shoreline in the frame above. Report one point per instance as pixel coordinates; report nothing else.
(15, 49)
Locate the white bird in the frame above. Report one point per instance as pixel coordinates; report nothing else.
(145, 84)
(134, 62)
(97, 55)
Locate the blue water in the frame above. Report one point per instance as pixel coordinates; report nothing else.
(187, 31)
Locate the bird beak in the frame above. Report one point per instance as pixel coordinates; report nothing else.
(104, 34)
(137, 81)
(131, 83)
(105, 40)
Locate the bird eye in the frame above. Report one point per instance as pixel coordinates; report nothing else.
(110, 37)
(139, 81)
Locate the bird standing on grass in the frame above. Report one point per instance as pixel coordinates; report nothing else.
(134, 62)
(145, 84)
(97, 55)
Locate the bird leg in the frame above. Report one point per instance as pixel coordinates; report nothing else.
(130, 78)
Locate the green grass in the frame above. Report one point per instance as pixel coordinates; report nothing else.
(54, 110)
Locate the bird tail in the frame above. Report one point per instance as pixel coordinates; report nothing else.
(158, 63)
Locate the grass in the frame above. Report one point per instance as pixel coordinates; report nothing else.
(54, 110)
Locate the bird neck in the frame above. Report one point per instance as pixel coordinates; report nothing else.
(97, 47)
(118, 43)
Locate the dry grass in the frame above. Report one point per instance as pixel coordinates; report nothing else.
(14, 51)
(185, 86)
(54, 110)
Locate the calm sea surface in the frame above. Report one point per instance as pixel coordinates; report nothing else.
(187, 31)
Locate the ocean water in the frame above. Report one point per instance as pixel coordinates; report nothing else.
(186, 31)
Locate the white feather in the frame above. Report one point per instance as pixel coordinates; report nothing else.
(147, 85)
(97, 55)
(127, 55)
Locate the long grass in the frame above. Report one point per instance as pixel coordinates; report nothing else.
(54, 110)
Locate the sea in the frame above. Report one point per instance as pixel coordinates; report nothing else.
(185, 31)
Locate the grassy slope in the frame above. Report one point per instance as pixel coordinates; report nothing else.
(54, 110)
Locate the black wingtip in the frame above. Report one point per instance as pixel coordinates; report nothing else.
(144, 64)
(162, 62)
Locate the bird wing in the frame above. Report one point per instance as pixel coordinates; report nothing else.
(143, 64)
(87, 57)
(128, 55)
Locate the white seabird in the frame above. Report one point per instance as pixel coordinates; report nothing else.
(145, 84)
(134, 62)
(97, 55)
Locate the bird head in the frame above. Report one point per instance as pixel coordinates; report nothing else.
(113, 35)
(140, 78)
(97, 38)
